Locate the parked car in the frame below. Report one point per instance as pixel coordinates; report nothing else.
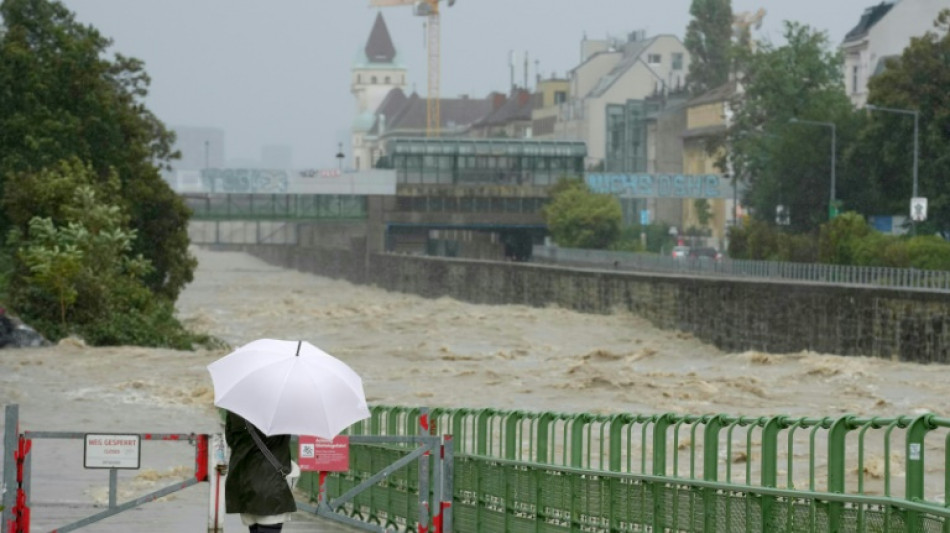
(705, 253)
(680, 252)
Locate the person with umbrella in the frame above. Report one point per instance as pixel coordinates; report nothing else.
(272, 389)
(255, 487)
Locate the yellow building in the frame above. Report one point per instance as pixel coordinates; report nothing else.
(706, 121)
(548, 97)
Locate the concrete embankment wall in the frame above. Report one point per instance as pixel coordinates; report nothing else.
(732, 314)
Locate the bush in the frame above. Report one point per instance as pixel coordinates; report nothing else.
(929, 252)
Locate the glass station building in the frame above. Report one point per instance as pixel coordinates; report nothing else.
(466, 161)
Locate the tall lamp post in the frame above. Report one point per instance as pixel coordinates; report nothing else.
(916, 115)
(834, 141)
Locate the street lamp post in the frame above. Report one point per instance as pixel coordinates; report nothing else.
(834, 141)
(916, 115)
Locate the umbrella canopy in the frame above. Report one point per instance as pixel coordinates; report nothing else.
(289, 388)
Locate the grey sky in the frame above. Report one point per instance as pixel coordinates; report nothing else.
(277, 72)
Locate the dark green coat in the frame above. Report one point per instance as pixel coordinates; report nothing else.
(254, 486)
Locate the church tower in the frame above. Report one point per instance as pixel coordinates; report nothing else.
(376, 71)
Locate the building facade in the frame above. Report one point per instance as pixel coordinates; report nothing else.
(882, 33)
(707, 119)
(613, 72)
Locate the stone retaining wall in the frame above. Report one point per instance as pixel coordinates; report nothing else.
(732, 314)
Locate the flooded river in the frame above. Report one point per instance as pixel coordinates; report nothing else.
(410, 351)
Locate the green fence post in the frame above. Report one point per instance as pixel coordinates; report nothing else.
(511, 433)
(836, 468)
(914, 466)
(459, 434)
(770, 465)
(617, 423)
(711, 469)
(544, 424)
(577, 439)
(481, 431)
(661, 425)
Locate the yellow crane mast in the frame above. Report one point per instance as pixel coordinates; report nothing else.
(430, 10)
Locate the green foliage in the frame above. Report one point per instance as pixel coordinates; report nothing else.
(709, 41)
(578, 218)
(929, 252)
(64, 99)
(703, 211)
(75, 270)
(784, 163)
(882, 158)
(838, 239)
(846, 240)
(657, 237)
(757, 240)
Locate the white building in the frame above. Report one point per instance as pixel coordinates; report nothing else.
(376, 71)
(883, 32)
(612, 72)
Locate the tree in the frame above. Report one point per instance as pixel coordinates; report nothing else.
(787, 164)
(579, 218)
(62, 98)
(709, 41)
(75, 268)
(883, 155)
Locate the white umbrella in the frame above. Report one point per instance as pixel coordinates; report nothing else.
(289, 388)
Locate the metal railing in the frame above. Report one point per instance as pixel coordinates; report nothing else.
(904, 278)
(234, 206)
(547, 471)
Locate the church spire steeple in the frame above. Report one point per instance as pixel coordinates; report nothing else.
(379, 46)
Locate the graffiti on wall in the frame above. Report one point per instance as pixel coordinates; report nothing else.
(656, 185)
(244, 180)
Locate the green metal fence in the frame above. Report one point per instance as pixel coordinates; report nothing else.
(228, 206)
(547, 471)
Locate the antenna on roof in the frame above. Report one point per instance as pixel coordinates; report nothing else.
(526, 70)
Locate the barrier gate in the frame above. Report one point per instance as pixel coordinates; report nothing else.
(123, 452)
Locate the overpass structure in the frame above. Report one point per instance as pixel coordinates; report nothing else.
(474, 198)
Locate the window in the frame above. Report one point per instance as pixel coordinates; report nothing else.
(359, 78)
(560, 97)
(387, 80)
(373, 80)
(654, 59)
(677, 61)
(854, 79)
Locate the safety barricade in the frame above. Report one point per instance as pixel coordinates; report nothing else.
(399, 479)
(106, 451)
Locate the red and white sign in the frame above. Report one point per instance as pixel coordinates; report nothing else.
(321, 455)
(112, 451)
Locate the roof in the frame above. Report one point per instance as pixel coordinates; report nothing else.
(410, 113)
(719, 94)
(516, 107)
(632, 54)
(379, 47)
(391, 105)
(869, 18)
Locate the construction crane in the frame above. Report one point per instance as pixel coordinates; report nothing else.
(430, 10)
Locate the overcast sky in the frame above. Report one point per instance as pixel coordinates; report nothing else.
(277, 72)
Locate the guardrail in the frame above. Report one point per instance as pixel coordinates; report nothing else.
(905, 278)
(547, 471)
(235, 206)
